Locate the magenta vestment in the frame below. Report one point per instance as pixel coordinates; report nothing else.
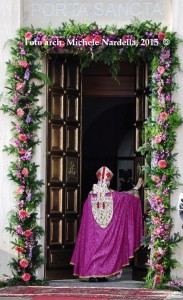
(102, 252)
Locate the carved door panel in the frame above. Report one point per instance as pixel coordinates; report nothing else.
(142, 112)
(63, 164)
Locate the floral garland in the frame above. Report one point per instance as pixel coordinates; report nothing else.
(23, 171)
(140, 41)
(160, 140)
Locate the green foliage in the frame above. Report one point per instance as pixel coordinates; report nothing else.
(73, 28)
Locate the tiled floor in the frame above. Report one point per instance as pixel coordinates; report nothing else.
(124, 281)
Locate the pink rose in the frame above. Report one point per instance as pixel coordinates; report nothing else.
(156, 220)
(19, 249)
(22, 137)
(161, 36)
(157, 231)
(97, 38)
(88, 39)
(26, 277)
(22, 214)
(44, 39)
(162, 163)
(159, 267)
(20, 112)
(156, 253)
(163, 116)
(157, 279)
(28, 35)
(19, 86)
(27, 233)
(156, 179)
(61, 44)
(124, 38)
(158, 198)
(20, 190)
(23, 63)
(21, 151)
(24, 263)
(161, 69)
(25, 172)
(157, 139)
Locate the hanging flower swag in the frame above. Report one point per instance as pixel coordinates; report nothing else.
(147, 42)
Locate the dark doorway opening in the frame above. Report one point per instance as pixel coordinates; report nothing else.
(108, 118)
(108, 138)
(112, 119)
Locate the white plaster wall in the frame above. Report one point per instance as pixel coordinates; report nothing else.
(177, 26)
(10, 20)
(52, 13)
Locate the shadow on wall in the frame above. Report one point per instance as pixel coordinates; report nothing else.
(5, 258)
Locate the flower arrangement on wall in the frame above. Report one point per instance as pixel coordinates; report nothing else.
(161, 173)
(147, 42)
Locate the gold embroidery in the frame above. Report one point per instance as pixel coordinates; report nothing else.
(102, 208)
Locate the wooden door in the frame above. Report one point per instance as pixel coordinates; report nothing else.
(142, 112)
(63, 164)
